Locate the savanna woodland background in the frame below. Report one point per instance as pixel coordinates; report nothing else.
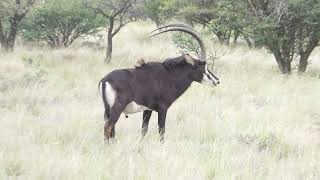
(262, 122)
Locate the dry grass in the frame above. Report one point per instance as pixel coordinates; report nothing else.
(257, 125)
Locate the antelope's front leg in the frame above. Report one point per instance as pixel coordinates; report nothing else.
(162, 123)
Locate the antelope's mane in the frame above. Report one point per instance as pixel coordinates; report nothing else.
(174, 62)
(169, 63)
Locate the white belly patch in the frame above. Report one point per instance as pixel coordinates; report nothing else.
(133, 107)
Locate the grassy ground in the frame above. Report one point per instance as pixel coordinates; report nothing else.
(257, 124)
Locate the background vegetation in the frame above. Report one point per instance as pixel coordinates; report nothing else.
(258, 124)
(60, 22)
(289, 29)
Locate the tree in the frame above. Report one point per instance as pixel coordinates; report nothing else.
(60, 23)
(12, 12)
(220, 17)
(290, 29)
(153, 11)
(206, 14)
(309, 32)
(118, 13)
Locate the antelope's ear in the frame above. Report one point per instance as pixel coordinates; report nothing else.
(140, 62)
(188, 58)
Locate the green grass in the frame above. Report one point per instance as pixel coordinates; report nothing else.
(258, 124)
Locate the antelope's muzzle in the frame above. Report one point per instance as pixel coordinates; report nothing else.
(209, 78)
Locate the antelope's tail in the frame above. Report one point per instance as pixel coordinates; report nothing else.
(102, 89)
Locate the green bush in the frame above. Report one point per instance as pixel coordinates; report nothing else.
(60, 23)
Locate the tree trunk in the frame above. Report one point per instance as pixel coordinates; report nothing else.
(284, 63)
(8, 41)
(304, 56)
(236, 36)
(158, 23)
(109, 50)
(109, 45)
(284, 66)
(227, 37)
(12, 35)
(8, 44)
(221, 40)
(1, 35)
(227, 43)
(219, 36)
(303, 63)
(257, 44)
(249, 43)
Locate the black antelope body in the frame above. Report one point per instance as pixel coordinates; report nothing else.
(152, 86)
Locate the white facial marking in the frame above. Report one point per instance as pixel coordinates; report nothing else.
(111, 94)
(209, 79)
(133, 107)
(206, 69)
(100, 87)
(206, 81)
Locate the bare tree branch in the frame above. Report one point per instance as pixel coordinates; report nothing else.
(118, 15)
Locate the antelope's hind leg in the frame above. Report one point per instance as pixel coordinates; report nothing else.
(145, 123)
(162, 124)
(109, 127)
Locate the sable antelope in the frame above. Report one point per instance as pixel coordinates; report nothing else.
(152, 86)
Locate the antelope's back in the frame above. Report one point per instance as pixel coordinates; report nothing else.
(148, 77)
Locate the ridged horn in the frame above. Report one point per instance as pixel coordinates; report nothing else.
(174, 25)
(185, 29)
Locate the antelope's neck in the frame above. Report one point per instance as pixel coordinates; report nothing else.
(182, 81)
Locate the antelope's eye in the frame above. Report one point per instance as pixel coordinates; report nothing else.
(202, 64)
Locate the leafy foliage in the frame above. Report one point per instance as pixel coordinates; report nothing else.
(288, 28)
(60, 23)
(153, 10)
(186, 43)
(11, 14)
(118, 13)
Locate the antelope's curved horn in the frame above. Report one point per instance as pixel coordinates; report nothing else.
(174, 25)
(188, 31)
